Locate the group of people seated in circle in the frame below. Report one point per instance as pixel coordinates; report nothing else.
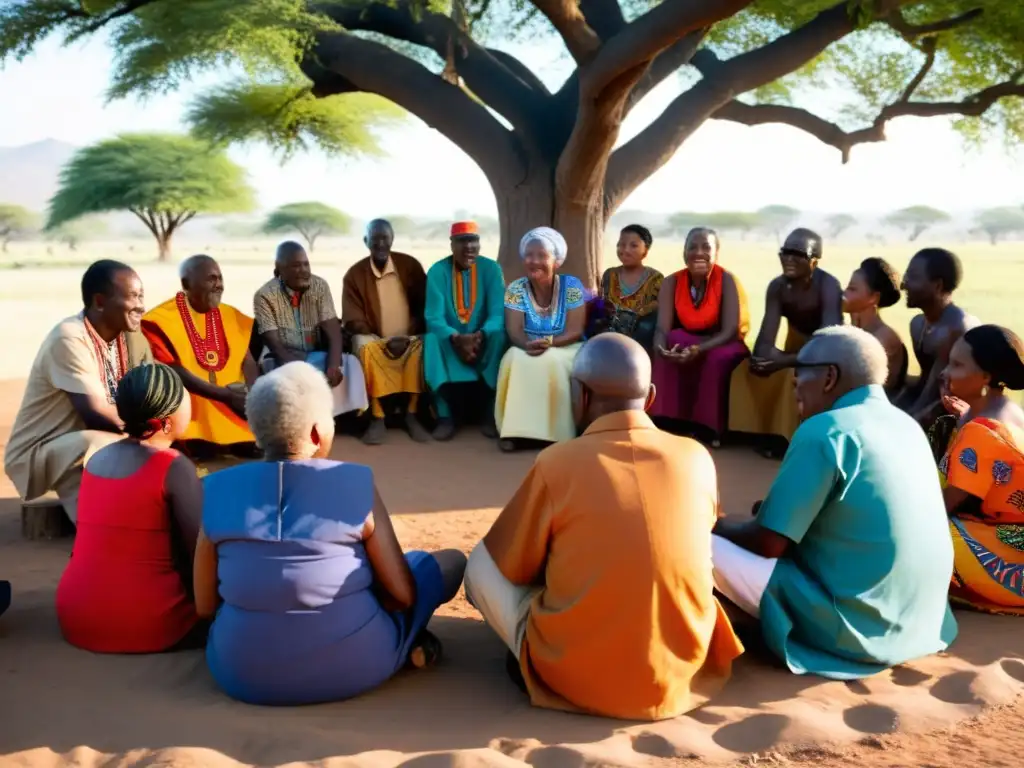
(894, 498)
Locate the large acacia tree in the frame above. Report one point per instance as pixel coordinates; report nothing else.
(554, 156)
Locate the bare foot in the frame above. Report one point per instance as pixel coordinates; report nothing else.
(416, 430)
(426, 652)
(376, 433)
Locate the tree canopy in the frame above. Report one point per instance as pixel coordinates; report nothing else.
(997, 223)
(916, 220)
(839, 223)
(77, 231)
(165, 180)
(551, 152)
(15, 221)
(311, 220)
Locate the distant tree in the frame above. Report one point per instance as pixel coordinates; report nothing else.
(15, 221)
(916, 220)
(682, 222)
(733, 221)
(839, 223)
(165, 180)
(997, 223)
(74, 232)
(311, 220)
(777, 218)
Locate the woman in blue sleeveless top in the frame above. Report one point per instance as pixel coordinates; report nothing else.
(316, 601)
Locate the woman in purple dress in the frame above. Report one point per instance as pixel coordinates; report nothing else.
(702, 321)
(314, 599)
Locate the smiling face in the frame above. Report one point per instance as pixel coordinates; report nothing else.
(379, 240)
(464, 251)
(538, 262)
(122, 309)
(701, 253)
(630, 249)
(858, 295)
(294, 270)
(203, 284)
(921, 290)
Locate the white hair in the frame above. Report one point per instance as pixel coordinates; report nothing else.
(284, 406)
(552, 241)
(858, 355)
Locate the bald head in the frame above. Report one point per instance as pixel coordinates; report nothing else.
(614, 368)
(202, 282)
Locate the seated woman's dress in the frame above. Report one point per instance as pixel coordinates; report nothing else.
(632, 309)
(698, 391)
(533, 398)
(984, 461)
(123, 591)
(300, 622)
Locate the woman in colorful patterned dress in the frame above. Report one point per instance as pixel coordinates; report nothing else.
(702, 321)
(630, 291)
(982, 470)
(545, 318)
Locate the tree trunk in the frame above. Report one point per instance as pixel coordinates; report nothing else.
(533, 204)
(163, 243)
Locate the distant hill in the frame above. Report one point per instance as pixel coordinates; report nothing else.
(29, 173)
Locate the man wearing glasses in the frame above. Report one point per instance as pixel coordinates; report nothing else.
(761, 392)
(848, 560)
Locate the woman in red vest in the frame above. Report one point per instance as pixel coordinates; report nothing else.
(702, 321)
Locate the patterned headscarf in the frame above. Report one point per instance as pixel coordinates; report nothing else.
(553, 242)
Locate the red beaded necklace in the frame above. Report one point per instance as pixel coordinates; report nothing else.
(108, 376)
(211, 352)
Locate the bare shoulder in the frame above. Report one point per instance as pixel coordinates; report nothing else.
(959, 320)
(775, 287)
(828, 280)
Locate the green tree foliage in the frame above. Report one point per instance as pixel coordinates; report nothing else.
(998, 223)
(77, 231)
(552, 154)
(311, 220)
(165, 180)
(15, 221)
(916, 220)
(777, 219)
(840, 222)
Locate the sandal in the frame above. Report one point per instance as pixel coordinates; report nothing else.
(426, 651)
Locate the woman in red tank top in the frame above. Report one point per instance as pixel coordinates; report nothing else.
(128, 585)
(699, 341)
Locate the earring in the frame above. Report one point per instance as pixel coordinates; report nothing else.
(984, 391)
(167, 427)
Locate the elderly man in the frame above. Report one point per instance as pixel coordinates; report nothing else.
(465, 317)
(207, 343)
(761, 393)
(67, 412)
(847, 563)
(930, 280)
(296, 320)
(382, 309)
(604, 593)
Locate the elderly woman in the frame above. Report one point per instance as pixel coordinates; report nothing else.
(848, 560)
(982, 470)
(545, 317)
(874, 286)
(316, 600)
(630, 291)
(702, 321)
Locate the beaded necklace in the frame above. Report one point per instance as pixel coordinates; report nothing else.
(109, 376)
(211, 352)
(458, 289)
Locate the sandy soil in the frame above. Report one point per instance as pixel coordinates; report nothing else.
(62, 706)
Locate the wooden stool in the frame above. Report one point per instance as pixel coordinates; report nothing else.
(44, 518)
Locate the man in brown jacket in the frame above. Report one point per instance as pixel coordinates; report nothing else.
(382, 310)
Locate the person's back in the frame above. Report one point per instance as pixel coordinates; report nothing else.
(627, 624)
(866, 585)
(296, 583)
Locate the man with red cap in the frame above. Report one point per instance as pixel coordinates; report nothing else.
(465, 317)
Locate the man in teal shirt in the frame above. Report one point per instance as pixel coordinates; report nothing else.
(465, 316)
(848, 561)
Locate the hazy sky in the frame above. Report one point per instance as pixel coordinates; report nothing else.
(58, 93)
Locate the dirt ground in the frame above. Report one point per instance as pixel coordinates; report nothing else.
(61, 706)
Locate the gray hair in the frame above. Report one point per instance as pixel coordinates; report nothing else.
(859, 355)
(191, 263)
(284, 406)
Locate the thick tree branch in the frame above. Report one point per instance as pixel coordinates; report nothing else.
(603, 16)
(567, 18)
(374, 68)
(503, 87)
(668, 61)
(146, 218)
(911, 32)
(644, 38)
(929, 47)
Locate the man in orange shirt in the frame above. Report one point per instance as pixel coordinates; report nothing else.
(597, 574)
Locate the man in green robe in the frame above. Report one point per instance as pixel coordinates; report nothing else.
(465, 339)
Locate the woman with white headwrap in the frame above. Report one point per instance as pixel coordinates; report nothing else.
(545, 317)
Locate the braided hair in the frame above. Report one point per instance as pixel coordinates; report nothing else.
(147, 395)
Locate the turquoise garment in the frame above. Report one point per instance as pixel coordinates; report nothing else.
(866, 585)
(570, 296)
(441, 364)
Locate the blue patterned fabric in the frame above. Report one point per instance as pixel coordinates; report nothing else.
(571, 295)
